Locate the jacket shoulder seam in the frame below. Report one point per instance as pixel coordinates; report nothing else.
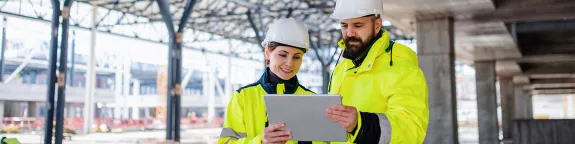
(247, 86)
(306, 89)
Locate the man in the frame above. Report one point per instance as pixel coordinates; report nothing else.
(384, 93)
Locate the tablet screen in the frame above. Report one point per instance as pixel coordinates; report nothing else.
(304, 116)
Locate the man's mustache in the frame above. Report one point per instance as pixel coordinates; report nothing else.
(349, 39)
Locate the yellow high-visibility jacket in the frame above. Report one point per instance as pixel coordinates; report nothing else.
(246, 115)
(389, 91)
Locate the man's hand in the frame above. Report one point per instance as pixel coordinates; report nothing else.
(272, 134)
(346, 116)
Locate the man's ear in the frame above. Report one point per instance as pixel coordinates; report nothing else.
(378, 24)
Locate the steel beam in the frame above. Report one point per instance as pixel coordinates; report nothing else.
(217, 84)
(72, 61)
(49, 118)
(20, 67)
(174, 67)
(187, 77)
(254, 27)
(107, 14)
(125, 24)
(62, 72)
(178, 67)
(167, 17)
(104, 4)
(121, 35)
(3, 49)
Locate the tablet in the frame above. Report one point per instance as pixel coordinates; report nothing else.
(304, 116)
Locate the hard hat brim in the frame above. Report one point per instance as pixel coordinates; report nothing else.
(273, 43)
(344, 17)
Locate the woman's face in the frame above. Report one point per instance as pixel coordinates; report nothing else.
(284, 61)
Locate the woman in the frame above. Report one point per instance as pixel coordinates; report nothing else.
(246, 121)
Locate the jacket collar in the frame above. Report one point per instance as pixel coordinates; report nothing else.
(376, 50)
(269, 81)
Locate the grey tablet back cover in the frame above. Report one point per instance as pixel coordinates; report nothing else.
(304, 116)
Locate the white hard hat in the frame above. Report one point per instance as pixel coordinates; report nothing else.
(347, 9)
(288, 31)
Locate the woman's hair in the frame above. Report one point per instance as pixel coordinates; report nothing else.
(270, 48)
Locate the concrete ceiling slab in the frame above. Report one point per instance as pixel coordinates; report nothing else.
(511, 32)
(527, 10)
(403, 13)
(488, 41)
(508, 69)
(547, 68)
(550, 75)
(557, 91)
(553, 81)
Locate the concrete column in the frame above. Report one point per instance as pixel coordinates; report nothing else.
(507, 92)
(523, 103)
(91, 75)
(118, 92)
(530, 106)
(436, 60)
(570, 107)
(31, 109)
(211, 94)
(1, 109)
(70, 110)
(486, 102)
(147, 111)
(13, 109)
(127, 80)
(228, 86)
(205, 83)
(136, 94)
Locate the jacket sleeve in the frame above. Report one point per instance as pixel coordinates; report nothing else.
(234, 130)
(407, 115)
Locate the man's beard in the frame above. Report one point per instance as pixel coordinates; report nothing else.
(356, 50)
